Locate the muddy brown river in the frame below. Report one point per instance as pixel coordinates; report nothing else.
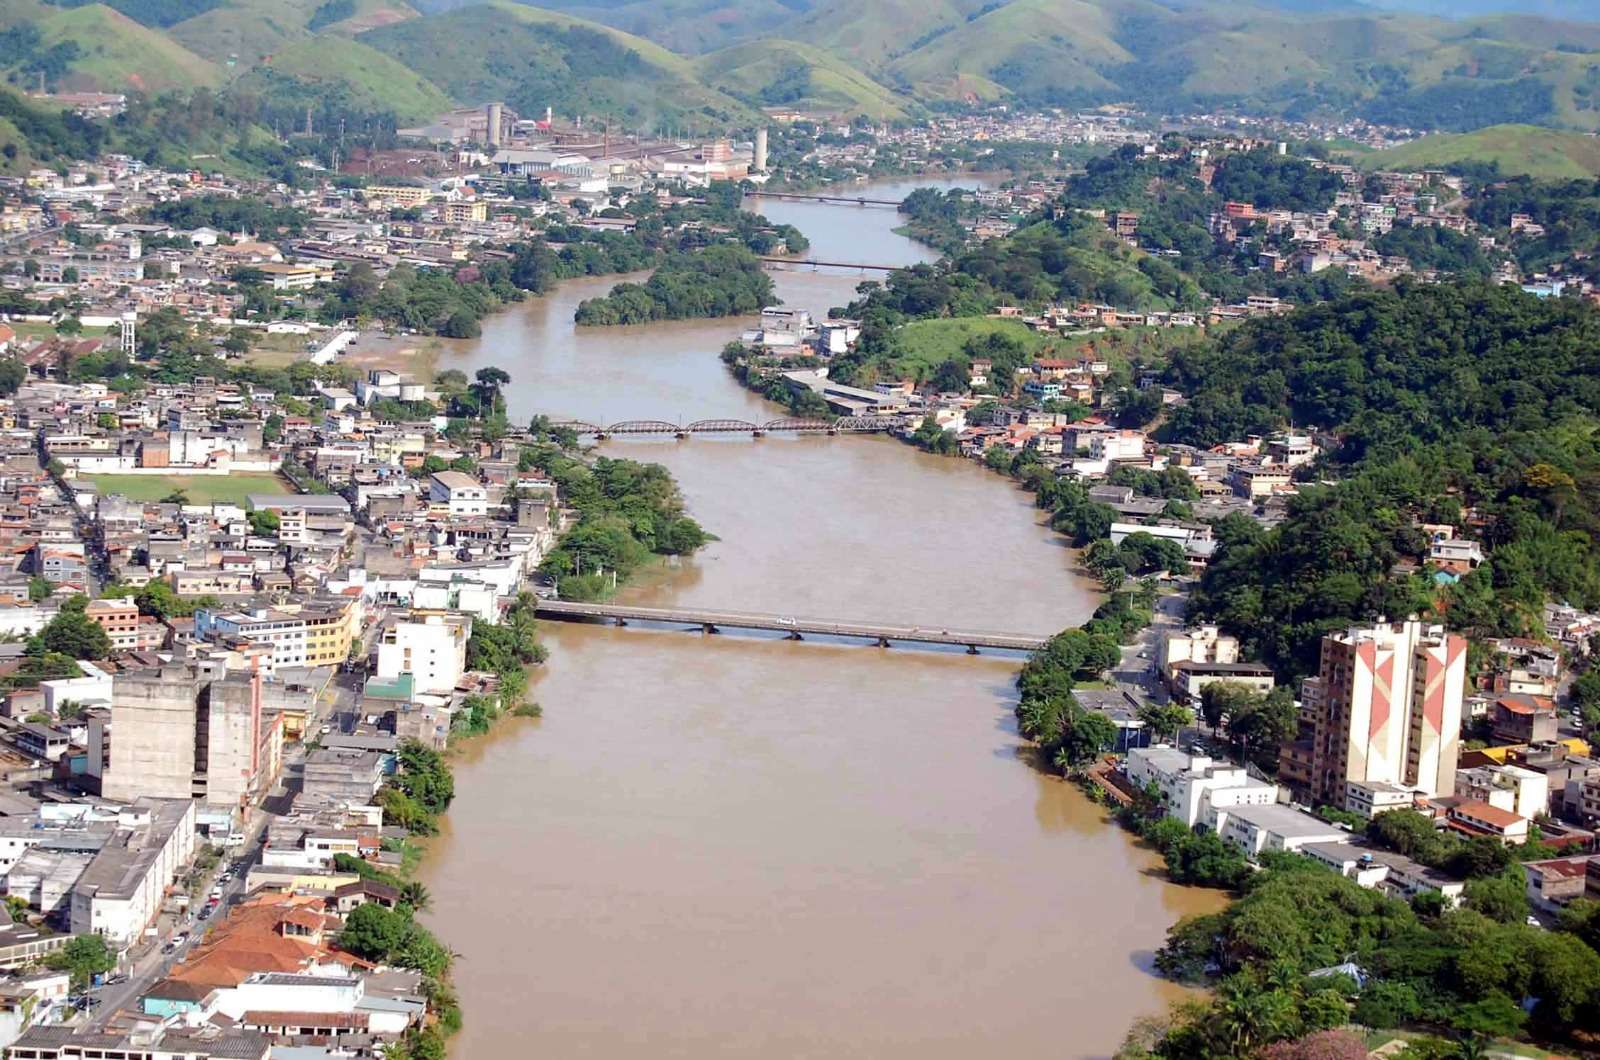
(730, 846)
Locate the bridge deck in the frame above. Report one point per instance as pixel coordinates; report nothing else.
(569, 609)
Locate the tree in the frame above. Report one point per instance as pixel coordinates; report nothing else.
(75, 634)
(40, 588)
(264, 523)
(82, 958)
(488, 382)
(1323, 1045)
(1165, 719)
(177, 496)
(1502, 898)
(1387, 1004)
(1220, 700)
(238, 340)
(374, 933)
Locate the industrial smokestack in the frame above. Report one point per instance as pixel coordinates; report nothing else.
(494, 124)
(761, 150)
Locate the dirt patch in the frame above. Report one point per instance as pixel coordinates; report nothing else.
(413, 355)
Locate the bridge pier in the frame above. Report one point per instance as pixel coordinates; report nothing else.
(972, 649)
(883, 642)
(707, 627)
(620, 621)
(793, 636)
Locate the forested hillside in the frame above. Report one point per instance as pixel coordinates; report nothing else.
(1458, 403)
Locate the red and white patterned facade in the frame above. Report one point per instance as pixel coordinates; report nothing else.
(1388, 709)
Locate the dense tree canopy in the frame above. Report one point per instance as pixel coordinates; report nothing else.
(716, 282)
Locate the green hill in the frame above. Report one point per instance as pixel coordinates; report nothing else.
(114, 53)
(787, 73)
(356, 76)
(1516, 149)
(1398, 68)
(689, 27)
(247, 32)
(533, 59)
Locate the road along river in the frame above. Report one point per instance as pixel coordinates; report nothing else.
(729, 846)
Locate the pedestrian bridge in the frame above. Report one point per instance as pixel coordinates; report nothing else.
(711, 621)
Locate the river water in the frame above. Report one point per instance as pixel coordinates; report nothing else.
(730, 846)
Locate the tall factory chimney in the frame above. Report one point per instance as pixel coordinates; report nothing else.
(761, 150)
(494, 124)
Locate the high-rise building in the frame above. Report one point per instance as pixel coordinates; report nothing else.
(759, 162)
(190, 731)
(1385, 707)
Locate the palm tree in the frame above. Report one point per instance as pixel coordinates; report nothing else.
(414, 894)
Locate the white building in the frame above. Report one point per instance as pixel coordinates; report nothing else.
(1372, 797)
(120, 893)
(1257, 829)
(283, 632)
(432, 648)
(1202, 644)
(1191, 785)
(1384, 870)
(463, 494)
(1511, 788)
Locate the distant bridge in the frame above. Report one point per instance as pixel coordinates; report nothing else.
(787, 425)
(842, 200)
(776, 260)
(793, 628)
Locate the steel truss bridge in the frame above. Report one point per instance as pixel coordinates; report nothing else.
(711, 621)
(786, 425)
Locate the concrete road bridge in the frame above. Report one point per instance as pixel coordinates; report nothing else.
(713, 621)
(775, 259)
(786, 425)
(841, 200)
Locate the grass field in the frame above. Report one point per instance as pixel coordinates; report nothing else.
(932, 342)
(200, 489)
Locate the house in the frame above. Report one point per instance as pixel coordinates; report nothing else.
(460, 492)
(1474, 818)
(1524, 792)
(1554, 883)
(1519, 718)
(1386, 871)
(1188, 679)
(1455, 556)
(1372, 797)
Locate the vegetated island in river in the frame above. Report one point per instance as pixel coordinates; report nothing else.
(721, 281)
(628, 512)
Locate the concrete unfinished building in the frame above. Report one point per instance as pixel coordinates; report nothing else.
(190, 731)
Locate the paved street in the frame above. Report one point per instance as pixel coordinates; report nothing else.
(1136, 674)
